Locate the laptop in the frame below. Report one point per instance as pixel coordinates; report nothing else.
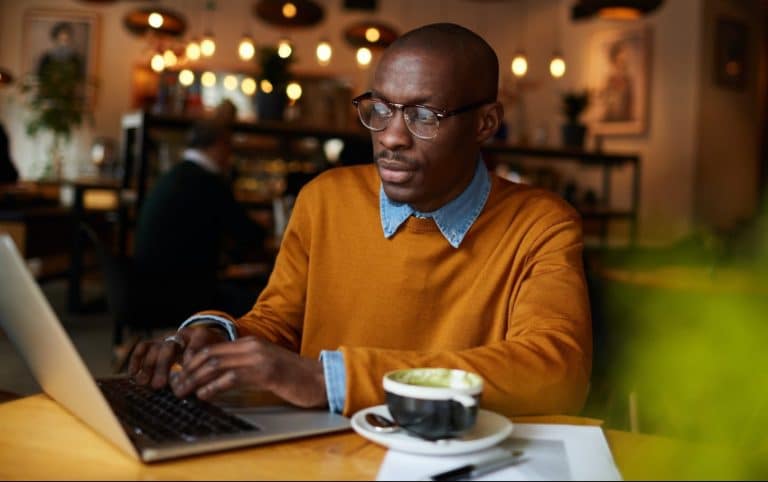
(149, 425)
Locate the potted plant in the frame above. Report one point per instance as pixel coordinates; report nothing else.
(574, 104)
(275, 70)
(56, 100)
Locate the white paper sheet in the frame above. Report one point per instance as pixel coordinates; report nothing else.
(551, 452)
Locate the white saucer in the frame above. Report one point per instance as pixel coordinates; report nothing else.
(490, 429)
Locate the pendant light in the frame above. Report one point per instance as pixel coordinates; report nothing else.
(291, 13)
(519, 65)
(284, 48)
(192, 51)
(163, 21)
(208, 43)
(324, 52)
(246, 50)
(614, 9)
(364, 57)
(557, 65)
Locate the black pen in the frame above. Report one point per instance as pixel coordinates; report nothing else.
(471, 471)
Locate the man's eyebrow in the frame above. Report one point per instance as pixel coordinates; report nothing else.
(418, 100)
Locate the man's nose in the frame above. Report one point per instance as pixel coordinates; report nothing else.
(396, 135)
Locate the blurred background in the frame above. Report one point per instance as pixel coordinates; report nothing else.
(648, 116)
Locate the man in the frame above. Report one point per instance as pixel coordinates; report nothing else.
(421, 259)
(186, 223)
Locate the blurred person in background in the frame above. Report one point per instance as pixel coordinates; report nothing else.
(190, 223)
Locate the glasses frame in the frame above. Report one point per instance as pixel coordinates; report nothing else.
(394, 106)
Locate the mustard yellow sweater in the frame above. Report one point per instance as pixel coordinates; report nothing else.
(509, 304)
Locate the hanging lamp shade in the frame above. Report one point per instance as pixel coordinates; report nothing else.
(613, 9)
(370, 35)
(143, 20)
(5, 77)
(289, 13)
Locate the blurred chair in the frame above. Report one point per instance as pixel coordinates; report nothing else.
(133, 311)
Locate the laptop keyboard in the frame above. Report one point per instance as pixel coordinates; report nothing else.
(161, 417)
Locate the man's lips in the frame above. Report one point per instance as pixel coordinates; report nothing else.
(395, 172)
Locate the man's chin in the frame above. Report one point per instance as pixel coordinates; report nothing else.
(398, 193)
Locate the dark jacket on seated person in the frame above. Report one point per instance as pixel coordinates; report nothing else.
(182, 234)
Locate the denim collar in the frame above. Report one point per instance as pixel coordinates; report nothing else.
(454, 219)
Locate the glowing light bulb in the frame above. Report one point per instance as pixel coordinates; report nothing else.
(364, 56)
(230, 82)
(157, 63)
(248, 86)
(155, 20)
(324, 53)
(289, 10)
(186, 77)
(519, 65)
(208, 79)
(372, 34)
(293, 90)
(284, 49)
(246, 50)
(266, 86)
(557, 66)
(207, 46)
(169, 57)
(193, 50)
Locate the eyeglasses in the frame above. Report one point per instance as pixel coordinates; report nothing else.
(423, 121)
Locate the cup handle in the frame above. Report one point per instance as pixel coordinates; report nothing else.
(466, 401)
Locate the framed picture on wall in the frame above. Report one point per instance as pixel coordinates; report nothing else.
(731, 53)
(62, 41)
(619, 64)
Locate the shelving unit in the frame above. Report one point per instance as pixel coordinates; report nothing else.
(604, 213)
(142, 129)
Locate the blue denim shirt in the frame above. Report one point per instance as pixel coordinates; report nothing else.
(454, 220)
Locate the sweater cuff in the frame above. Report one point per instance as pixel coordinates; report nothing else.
(335, 379)
(215, 320)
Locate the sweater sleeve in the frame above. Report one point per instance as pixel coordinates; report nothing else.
(542, 365)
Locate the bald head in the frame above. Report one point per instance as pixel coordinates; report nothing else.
(473, 62)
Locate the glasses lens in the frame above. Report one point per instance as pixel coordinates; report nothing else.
(422, 122)
(374, 114)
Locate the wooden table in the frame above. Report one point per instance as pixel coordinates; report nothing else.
(40, 440)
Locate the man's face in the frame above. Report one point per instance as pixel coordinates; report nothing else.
(425, 173)
(63, 38)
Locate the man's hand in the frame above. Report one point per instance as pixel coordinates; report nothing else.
(252, 363)
(152, 360)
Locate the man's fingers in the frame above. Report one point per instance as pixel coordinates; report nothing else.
(237, 347)
(137, 357)
(212, 367)
(147, 370)
(198, 337)
(220, 384)
(167, 353)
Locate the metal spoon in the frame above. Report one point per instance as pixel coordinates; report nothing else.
(380, 423)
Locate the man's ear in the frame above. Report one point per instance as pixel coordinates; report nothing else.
(490, 119)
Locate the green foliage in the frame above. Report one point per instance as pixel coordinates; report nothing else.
(273, 67)
(56, 99)
(574, 104)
